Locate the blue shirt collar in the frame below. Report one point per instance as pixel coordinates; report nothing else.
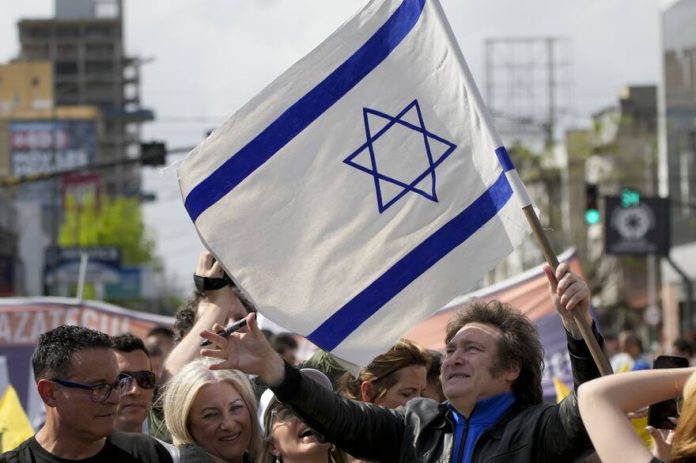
(466, 433)
(487, 410)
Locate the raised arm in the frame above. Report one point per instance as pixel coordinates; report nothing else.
(604, 403)
(566, 435)
(218, 306)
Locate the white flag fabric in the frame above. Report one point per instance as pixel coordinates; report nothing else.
(363, 189)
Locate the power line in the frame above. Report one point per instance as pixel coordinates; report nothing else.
(186, 119)
(15, 180)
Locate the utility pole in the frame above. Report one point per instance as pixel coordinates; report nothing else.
(551, 73)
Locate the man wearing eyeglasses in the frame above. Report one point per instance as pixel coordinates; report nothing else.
(78, 379)
(134, 360)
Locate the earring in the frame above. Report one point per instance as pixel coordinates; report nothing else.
(331, 452)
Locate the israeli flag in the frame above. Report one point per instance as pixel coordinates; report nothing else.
(364, 188)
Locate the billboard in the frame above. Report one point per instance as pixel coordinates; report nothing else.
(63, 264)
(637, 229)
(46, 146)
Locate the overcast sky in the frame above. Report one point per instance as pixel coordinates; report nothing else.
(211, 56)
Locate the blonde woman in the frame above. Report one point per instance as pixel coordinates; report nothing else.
(212, 412)
(604, 403)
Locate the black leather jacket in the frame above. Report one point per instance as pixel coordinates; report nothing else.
(422, 431)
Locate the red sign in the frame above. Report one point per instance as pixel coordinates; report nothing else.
(80, 186)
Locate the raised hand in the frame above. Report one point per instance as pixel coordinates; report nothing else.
(224, 297)
(662, 442)
(569, 293)
(249, 352)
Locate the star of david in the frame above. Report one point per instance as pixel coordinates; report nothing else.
(400, 154)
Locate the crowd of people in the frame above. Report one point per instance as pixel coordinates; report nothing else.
(245, 399)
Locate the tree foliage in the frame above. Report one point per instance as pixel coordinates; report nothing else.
(104, 221)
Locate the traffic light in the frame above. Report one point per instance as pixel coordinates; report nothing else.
(592, 215)
(153, 154)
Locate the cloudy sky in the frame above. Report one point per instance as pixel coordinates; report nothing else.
(210, 56)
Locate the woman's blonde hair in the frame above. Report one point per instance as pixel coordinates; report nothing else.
(181, 391)
(381, 372)
(684, 441)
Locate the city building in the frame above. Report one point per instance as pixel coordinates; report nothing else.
(11, 267)
(617, 152)
(70, 99)
(39, 139)
(85, 43)
(678, 160)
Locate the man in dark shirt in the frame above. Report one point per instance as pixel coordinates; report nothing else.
(78, 379)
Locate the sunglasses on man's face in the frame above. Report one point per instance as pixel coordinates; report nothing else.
(145, 379)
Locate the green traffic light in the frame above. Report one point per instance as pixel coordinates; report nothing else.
(630, 198)
(592, 216)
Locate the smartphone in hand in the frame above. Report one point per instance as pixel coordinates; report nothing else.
(659, 413)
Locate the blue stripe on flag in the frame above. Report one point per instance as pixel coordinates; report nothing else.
(504, 159)
(354, 313)
(305, 111)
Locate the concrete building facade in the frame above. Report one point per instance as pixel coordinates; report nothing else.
(37, 138)
(85, 43)
(679, 38)
(679, 161)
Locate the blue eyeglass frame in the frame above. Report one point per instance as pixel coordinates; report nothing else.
(123, 384)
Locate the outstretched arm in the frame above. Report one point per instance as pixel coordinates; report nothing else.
(604, 403)
(218, 306)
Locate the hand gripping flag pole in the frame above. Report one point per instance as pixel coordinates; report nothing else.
(597, 354)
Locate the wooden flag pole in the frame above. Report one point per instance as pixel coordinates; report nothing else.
(521, 192)
(597, 354)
